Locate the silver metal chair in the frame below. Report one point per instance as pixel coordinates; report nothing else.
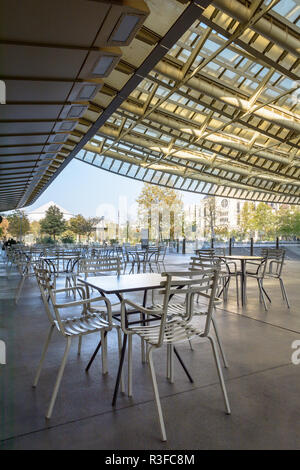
(166, 331)
(269, 268)
(86, 321)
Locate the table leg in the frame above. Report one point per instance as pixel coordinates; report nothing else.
(120, 370)
(98, 345)
(143, 317)
(243, 281)
(94, 354)
(183, 365)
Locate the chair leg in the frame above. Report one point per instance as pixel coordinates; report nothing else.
(264, 291)
(104, 351)
(20, 287)
(59, 377)
(262, 294)
(220, 374)
(38, 373)
(237, 289)
(120, 352)
(170, 363)
(130, 365)
(79, 345)
(284, 294)
(156, 395)
(220, 343)
(142, 344)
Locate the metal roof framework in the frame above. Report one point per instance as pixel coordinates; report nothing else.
(219, 113)
(201, 96)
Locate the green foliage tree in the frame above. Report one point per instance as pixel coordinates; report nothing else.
(78, 225)
(83, 226)
(3, 227)
(67, 236)
(210, 215)
(222, 231)
(35, 229)
(156, 200)
(264, 220)
(53, 223)
(91, 223)
(288, 221)
(18, 224)
(247, 225)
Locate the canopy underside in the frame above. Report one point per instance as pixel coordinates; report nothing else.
(204, 99)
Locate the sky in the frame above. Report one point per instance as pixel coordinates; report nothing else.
(83, 189)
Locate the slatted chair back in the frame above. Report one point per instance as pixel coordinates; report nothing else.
(188, 284)
(205, 252)
(160, 254)
(45, 283)
(100, 266)
(275, 258)
(49, 295)
(204, 260)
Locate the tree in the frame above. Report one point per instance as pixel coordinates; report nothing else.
(91, 223)
(18, 224)
(3, 227)
(264, 220)
(222, 231)
(156, 201)
(247, 216)
(53, 223)
(35, 229)
(67, 237)
(78, 225)
(83, 226)
(287, 221)
(210, 214)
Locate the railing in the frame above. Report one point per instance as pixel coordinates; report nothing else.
(231, 246)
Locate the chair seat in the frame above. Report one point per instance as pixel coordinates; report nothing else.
(175, 331)
(179, 309)
(88, 323)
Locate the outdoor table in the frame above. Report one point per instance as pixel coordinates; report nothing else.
(139, 257)
(119, 285)
(53, 261)
(243, 259)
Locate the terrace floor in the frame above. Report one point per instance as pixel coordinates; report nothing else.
(262, 383)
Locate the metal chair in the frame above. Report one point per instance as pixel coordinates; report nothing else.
(88, 320)
(269, 268)
(165, 331)
(157, 258)
(225, 274)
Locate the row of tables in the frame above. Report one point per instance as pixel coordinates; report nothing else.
(119, 285)
(243, 260)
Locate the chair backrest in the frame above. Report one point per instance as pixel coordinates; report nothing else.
(161, 253)
(188, 284)
(275, 260)
(47, 288)
(100, 266)
(205, 251)
(204, 260)
(220, 251)
(45, 283)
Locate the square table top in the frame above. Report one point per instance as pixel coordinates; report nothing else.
(240, 257)
(125, 282)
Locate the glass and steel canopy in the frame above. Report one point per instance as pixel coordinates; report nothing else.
(219, 114)
(205, 98)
